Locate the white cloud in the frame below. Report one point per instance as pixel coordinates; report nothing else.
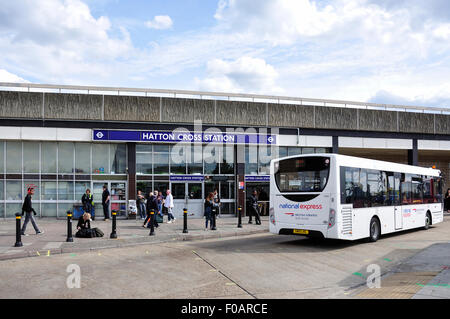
(160, 23)
(6, 76)
(246, 74)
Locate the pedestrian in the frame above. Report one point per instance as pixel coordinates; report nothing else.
(253, 209)
(140, 204)
(160, 204)
(106, 196)
(88, 201)
(151, 206)
(84, 228)
(447, 201)
(168, 203)
(217, 201)
(209, 210)
(27, 208)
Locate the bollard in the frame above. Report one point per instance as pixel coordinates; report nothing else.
(213, 222)
(69, 227)
(239, 217)
(152, 222)
(18, 231)
(113, 233)
(185, 229)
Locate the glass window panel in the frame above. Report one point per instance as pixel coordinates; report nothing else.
(264, 157)
(33, 184)
(251, 160)
(65, 190)
(30, 157)
(118, 158)
(144, 187)
(160, 159)
(195, 190)
(2, 157)
(65, 158)
(282, 151)
(227, 160)
(2, 190)
(225, 190)
(321, 150)
(195, 159)
(48, 156)
(63, 208)
(100, 159)
(2, 210)
(13, 190)
(80, 190)
(118, 191)
(210, 187)
(294, 151)
(308, 150)
(13, 157)
(161, 187)
(178, 190)
(211, 158)
(178, 159)
(12, 209)
(48, 209)
(227, 208)
(143, 159)
(48, 191)
(82, 158)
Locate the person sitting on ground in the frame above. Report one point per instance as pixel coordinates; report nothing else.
(84, 228)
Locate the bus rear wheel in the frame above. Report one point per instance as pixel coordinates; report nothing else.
(427, 221)
(375, 230)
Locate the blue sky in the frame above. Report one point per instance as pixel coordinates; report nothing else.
(385, 51)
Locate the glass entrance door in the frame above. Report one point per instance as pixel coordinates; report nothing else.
(187, 195)
(118, 200)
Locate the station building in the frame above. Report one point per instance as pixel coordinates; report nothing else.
(65, 139)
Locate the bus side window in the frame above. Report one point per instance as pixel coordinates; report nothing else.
(437, 190)
(427, 193)
(405, 188)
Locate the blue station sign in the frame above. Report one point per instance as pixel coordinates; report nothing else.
(257, 178)
(182, 137)
(187, 178)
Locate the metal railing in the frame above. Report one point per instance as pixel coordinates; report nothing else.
(32, 87)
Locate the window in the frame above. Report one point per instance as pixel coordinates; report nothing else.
(227, 160)
(160, 159)
(393, 189)
(80, 190)
(178, 159)
(2, 158)
(65, 158)
(195, 190)
(211, 158)
(283, 151)
(82, 158)
(100, 159)
(32, 184)
(265, 155)
(354, 187)
(48, 191)
(308, 174)
(251, 160)
(294, 151)
(48, 158)
(13, 190)
(143, 159)
(30, 157)
(65, 190)
(13, 157)
(118, 158)
(417, 189)
(437, 189)
(195, 158)
(405, 187)
(2, 192)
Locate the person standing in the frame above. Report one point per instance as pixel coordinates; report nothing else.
(209, 205)
(447, 201)
(106, 196)
(88, 201)
(160, 201)
(253, 203)
(217, 201)
(27, 208)
(168, 203)
(140, 205)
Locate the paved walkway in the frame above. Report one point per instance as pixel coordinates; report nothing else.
(129, 233)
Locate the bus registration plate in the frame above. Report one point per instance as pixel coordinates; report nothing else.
(301, 231)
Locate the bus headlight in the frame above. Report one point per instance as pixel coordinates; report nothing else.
(332, 218)
(272, 215)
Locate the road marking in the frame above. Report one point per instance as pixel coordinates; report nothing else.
(38, 253)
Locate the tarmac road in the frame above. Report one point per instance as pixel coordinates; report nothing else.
(254, 266)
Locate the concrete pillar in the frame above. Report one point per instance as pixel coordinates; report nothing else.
(413, 155)
(131, 149)
(335, 149)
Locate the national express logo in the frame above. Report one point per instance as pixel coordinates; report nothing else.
(300, 206)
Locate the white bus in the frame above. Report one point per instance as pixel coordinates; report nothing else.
(344, 197)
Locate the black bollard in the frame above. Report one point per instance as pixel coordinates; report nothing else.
(113, 233)
(152, 223)
(69, 227)
(185, 229)
(18, 231)
(239, 217)
(213, 222)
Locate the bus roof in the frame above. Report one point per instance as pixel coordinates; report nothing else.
(359, 162)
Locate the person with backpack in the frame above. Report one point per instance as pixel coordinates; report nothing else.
(151, 205)
(27, 208)
(88, 201)
(209, 207)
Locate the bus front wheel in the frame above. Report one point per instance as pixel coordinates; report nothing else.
(375, 230)
(427, 221)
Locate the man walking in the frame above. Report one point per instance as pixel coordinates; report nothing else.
(105, 201)
(28, 209)
(253, 203)
(168, 203)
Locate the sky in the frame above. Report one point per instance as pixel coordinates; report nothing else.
(384, 51)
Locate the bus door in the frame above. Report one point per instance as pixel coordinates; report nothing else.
(394, 192)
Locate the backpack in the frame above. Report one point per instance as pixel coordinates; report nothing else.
(98, 232)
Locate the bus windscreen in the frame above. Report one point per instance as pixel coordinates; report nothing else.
(304, 174)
